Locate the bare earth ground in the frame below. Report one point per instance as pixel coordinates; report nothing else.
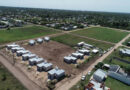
(53, 52)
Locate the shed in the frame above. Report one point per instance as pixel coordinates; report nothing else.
(100, 75)
(32, 42)
(39, 40)
(28, 56)
(44, 66)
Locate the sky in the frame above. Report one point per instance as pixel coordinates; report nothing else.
(86, 5)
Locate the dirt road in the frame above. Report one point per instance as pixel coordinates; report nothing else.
(69, 84)
(19, 75)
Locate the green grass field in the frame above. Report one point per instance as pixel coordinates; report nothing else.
(115, 84)
(8, 81)
(101, 33)
(73, 40)
(23, 33)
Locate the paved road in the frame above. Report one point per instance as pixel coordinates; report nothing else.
(19, 75)
(69, 84)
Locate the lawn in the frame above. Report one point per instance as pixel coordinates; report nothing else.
(8, 81)
(23, 33)
(73, 40)
(115, 84)
(116, 54)
(101, 33)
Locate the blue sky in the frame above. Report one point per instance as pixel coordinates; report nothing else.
(90, 5)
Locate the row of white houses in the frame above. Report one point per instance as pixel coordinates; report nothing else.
(39, 40)
(40, 63)
(75, 56)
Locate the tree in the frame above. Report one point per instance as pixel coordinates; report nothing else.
(99, 65)
(4, 77)
(127, 69)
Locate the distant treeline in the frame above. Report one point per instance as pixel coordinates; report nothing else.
(45, 16)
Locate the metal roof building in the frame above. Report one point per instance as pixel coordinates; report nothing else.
(35, 60)
(32, 42)
(99, 75)
(12, 46)
(14, 49)
(70, 59)
(125, 52)
(78, 55)
(84, 51)
(44, 66)
(56, 73)
(28, 56)
(39, 40)
(21, 52)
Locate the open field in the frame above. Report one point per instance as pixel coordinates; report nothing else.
(25, 33)
(102, 34)
(72, 41)
(116, 54)
(10, 83)
(115, 84)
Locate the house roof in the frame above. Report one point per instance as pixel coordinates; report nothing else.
(56, 71)
(84, 50)
(44, 64)
(125, 51)
(114, 68)
(100, 73)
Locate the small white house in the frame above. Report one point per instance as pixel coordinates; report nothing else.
(35, 61)
(78, 55)
(12, 46)
(56, 73)
(95, 51)
(28, 56)
(88, 45)
(100, 75)
(84, 51)
(39, 40)
(47, 39)
(70, 59)
(14, 49)
(21, 52)
(80, 44)
(44, 66)
(32, 42)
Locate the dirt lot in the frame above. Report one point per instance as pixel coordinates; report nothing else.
(53, 52)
